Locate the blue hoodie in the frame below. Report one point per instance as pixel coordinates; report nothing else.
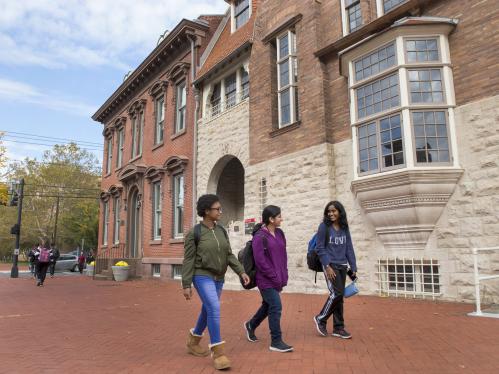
(339, 249)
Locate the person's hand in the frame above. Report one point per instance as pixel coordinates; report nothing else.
(330, 273)
(246, 279)
(188, 293)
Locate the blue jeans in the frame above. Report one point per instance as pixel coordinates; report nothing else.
(209, 291)
(271, 307)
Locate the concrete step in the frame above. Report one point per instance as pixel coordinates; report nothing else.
(103, 277)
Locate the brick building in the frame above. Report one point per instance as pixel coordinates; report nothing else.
(149, 131)
(389, 106)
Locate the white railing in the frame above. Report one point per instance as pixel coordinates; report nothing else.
(478, 312)
(232, 100)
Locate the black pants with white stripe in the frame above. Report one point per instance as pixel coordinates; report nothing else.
(334, 303)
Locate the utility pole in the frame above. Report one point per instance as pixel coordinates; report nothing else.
(55, 225)
(14, 272)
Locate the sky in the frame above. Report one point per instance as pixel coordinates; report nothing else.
(61, 59)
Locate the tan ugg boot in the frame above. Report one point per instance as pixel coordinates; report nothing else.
(220, 360)
(193, 346)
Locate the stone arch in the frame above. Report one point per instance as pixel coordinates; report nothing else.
(227, 181)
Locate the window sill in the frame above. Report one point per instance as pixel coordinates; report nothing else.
(156, 146)
(135, 159)
(118, 169)
(176, 241)
(107, 175)
(176, 135)
(285, 129)
(155, 242)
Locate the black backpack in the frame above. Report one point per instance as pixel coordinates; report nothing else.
(245, 257)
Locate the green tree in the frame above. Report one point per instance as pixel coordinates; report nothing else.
(66, 173)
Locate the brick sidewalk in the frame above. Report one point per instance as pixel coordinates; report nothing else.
(76, 325)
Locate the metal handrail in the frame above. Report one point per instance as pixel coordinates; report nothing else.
(478, 278)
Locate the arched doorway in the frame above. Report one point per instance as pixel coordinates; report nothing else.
(227, 181)
(134, 224)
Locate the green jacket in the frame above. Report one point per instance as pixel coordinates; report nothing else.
(211, 258)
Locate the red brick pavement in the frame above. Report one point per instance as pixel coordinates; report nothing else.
(76, 325)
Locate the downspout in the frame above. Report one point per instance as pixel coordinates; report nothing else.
(193, 40)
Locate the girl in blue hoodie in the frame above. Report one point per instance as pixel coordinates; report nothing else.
(271, 263)
(335, 250)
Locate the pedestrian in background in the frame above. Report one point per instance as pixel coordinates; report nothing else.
(81, 262)
(32, 261)
(53, 258)
(43, 256)
(207, 253)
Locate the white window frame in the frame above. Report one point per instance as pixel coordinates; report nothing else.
(156, 210)
(121, 147)
(105, 221)
(116, 226)
(109, 158)
(221, 107)
(180, 106)
(137, 134)
(406, 107)
(178, 205)
(159, 119)
(380, 7)
(345, 22)
(292, 84)
(233, 16)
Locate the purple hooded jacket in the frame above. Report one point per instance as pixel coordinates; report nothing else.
(271, 263)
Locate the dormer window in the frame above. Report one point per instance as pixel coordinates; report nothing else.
(241, 12)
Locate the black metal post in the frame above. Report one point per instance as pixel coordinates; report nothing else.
(14, 273)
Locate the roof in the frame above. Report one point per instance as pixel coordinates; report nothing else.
(228, 43)
(148, 67)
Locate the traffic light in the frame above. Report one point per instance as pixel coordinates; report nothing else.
(14, 230)
(14, 199)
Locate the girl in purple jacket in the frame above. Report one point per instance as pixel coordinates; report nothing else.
(271, 263)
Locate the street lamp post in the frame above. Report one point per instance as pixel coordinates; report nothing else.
(14, 273)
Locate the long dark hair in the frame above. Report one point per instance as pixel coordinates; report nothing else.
(343, 214)
(270, 211)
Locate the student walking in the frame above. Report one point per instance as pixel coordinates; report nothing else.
(207, 255)
(271, 264)
(32, 261)
(335, 250)
(81, 262)
(53, 259)
(43, 260)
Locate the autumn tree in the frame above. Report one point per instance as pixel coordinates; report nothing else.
(63, 186)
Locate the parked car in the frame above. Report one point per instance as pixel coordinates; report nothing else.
(67, 262)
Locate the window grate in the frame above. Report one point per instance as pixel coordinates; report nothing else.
(409, 277)
(156, 270)
(177, 272)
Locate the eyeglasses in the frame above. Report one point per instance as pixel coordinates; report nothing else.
(219, 209)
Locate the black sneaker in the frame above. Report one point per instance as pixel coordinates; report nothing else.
(321, 326)
(280, 346)
(250, 333)
(343, 334)
(38, 284)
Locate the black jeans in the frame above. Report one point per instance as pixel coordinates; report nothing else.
(334, 303)
(41, 271)
(272, 308)
(52, 268)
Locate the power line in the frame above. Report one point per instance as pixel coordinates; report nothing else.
(64, 163)
(62, 187)
(48, 137)
(62, 196)
(49, 145)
